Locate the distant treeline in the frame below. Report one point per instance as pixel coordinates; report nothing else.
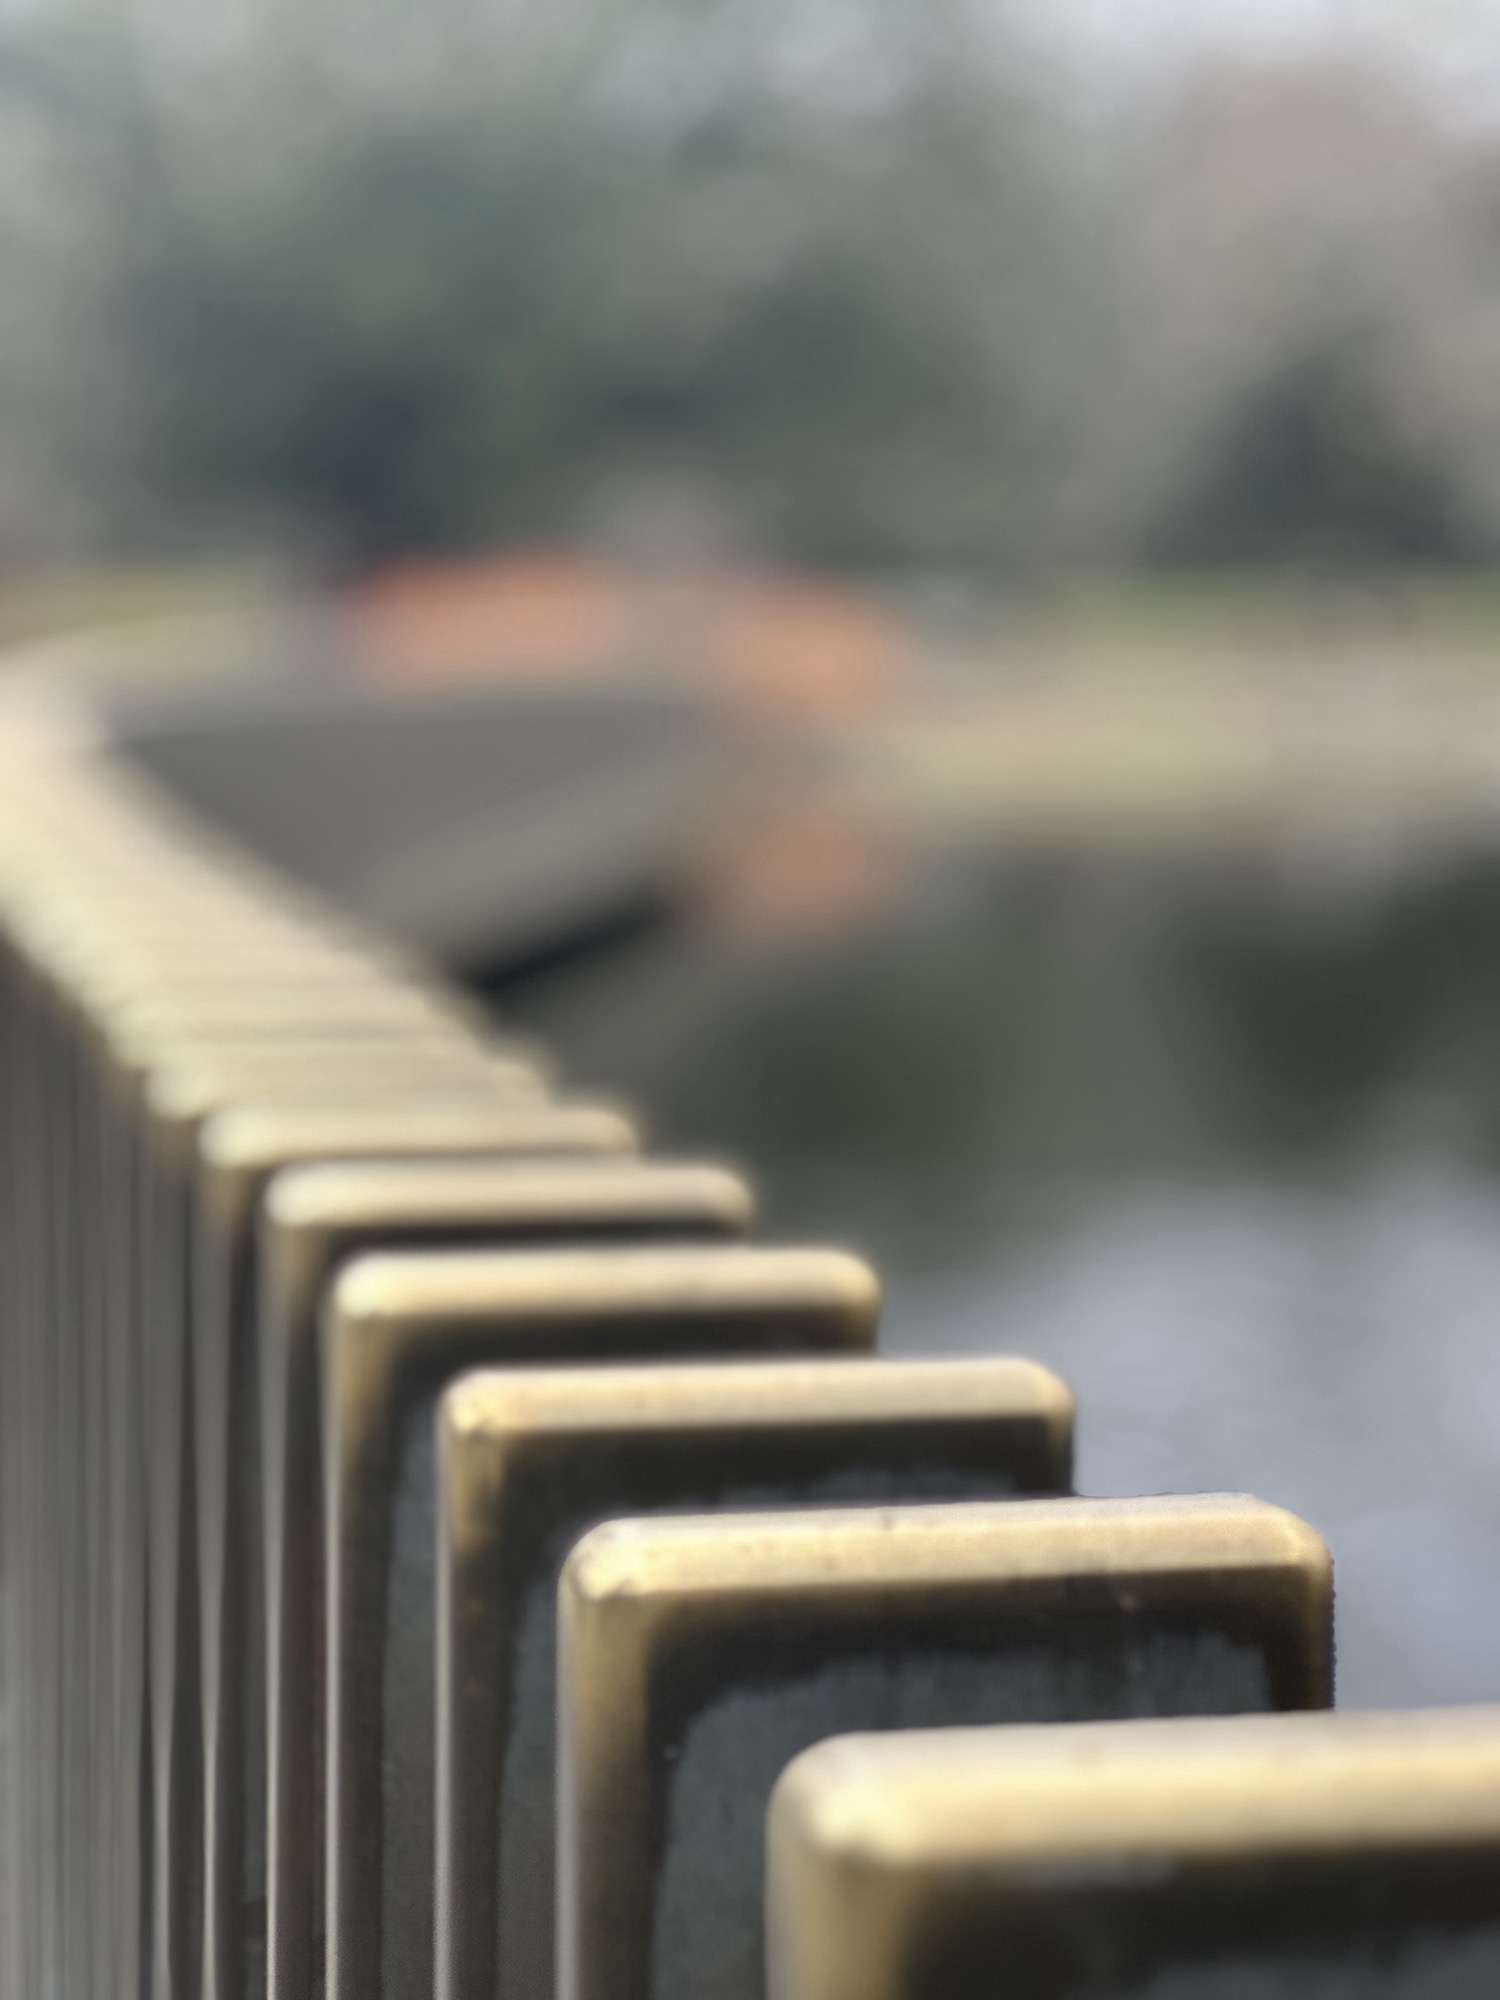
(861, 283)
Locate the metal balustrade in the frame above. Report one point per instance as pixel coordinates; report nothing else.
(433, 1535)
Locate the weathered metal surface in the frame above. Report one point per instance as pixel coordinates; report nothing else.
(396, 1329)
(528, 1462)
(234, 1153)
(313, 1219)
(698, 1655)
(1289, 1857)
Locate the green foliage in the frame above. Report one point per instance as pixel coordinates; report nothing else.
(421, 277)
(1309, 467)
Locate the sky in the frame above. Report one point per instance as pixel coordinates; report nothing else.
(1122, 44)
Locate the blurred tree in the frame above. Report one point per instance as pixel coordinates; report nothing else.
(1297, 366)
(404, 277)
(1309, 467)
(373, 277)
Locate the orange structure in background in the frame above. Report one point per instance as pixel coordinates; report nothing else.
(535, 616)
(773, 648)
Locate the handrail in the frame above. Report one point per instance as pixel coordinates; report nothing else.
(430, 1526)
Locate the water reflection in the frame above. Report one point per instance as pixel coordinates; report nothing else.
(1218, 1139)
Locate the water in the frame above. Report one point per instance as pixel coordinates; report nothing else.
(1217, 1137)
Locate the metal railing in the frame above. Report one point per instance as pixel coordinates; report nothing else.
(433, 1533)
